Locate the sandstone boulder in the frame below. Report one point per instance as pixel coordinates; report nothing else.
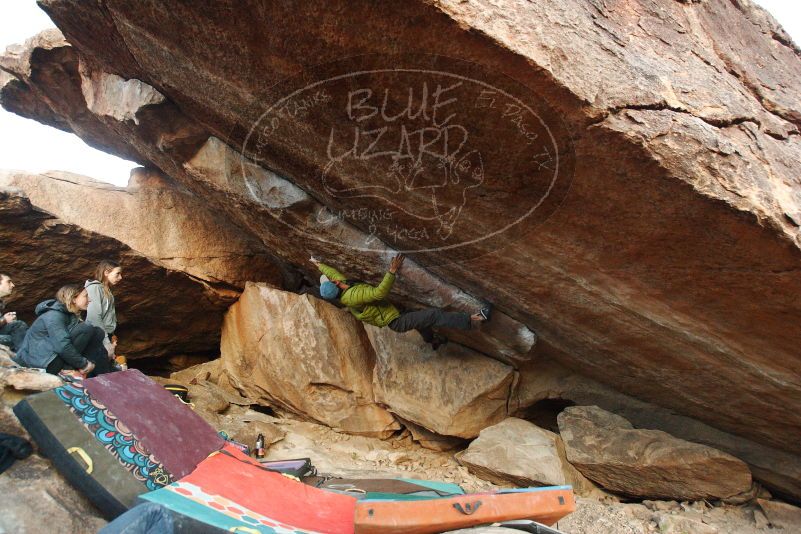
(605, 448)
(432, 440)
(262, 200)
(653, 255)
(669, 247)
(156, 218)
(36, 498)
(519, 452)
(515, 451)
(303, 355)
(208, 400)
(28, 379)
(781, 515)
(453, 391)
(282, 212)
(41, 58)
(546, 387)
(158, 311)
(207, 371)
(5, 357)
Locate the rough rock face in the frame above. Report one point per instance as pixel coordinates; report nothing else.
(432, 440)
(226, 411)
(271, 206)
(28, 379)
(781, 515)
(516, 451)
(13, 376)
(546, 387)
(663, 259)
(304, 355)
(469, 391)
(647, 463)
(156, 218)
(42, 253)
(36, 497)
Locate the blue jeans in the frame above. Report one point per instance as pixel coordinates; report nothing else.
(148, 518)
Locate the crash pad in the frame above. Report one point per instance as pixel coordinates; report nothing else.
(230, 492)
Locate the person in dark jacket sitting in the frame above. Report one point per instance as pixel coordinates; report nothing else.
(12, 330)
(58, 339)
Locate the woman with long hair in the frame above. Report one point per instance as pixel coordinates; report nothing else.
(58, 340)
(101, 312)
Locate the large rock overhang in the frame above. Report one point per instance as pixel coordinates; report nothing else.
(670, 268)
(160, 312)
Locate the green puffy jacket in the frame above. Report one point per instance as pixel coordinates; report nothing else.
(367, 303)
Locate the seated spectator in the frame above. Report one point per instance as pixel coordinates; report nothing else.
(12, 330)
(58, 340)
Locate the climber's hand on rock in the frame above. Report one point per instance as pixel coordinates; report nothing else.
(10, 317)
(314, 260)
(396, 263)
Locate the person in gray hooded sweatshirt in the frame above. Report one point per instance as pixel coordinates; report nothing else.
(101, 311)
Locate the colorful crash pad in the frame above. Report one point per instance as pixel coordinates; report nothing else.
(111, 455)
(230, 492)
(179, 437)
(233, 493)
(431, 515)
(385, 488)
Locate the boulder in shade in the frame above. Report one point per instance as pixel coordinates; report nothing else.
(605, 448)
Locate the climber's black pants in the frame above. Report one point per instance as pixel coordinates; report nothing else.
(424, 320)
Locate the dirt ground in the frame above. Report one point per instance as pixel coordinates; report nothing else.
(357, 456)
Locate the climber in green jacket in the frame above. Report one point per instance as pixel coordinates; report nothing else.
(369, 304)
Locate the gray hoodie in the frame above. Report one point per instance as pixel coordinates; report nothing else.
(101, 312)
